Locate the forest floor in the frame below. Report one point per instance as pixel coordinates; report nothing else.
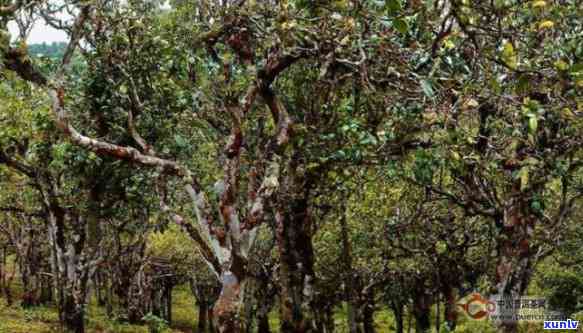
(44, 319)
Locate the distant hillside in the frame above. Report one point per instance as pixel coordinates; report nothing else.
(52, 50)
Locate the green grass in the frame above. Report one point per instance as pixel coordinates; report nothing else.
(184, 310)
(45, 319)
(14, 319)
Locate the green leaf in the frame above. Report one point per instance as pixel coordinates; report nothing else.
(523, 176)
(536, 206)
(577, 68)
(532, 125)
(401, 25)
(427, 88)
(509, 55)
(393, 6)
(180, 141)
(441, 247)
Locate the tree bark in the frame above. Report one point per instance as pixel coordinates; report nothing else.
(2, 268)
(46, 292)
(397, 308)
(263, 324)
(6, 279)
(168, 301)
(73, 313)
(421, 309)
(515, 258)
(437, 314)
(266, 294)
(350, 292)
(205, 291)
(450, 308)
(228, 307)
(72, 264)
(211, 321)
(202, 317)
(368, 310)
(329, 319)
(297, 276)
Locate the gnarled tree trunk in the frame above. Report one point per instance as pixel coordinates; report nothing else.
(368, 310)
(421, 308)
(75, 261)
(227, 309)
(294, 240)
(515, 258)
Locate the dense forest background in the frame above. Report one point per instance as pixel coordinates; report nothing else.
(291, 166)
(54, 50)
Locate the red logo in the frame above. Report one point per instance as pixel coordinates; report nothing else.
(476, 306)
